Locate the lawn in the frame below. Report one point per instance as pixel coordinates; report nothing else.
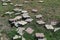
(50, 9)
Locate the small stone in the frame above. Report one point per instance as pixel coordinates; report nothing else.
(4, 4)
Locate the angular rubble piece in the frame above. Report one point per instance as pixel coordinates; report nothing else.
(15, 24)
(26, 1)
(49, 26)
(17, 10)
(23, 38)
(11, 3)
(29, 30)
(29, 20)
(18, 5)
(53, 22)
(19, 23)
(41, 1)
(34, 10)
(56, 29)
(18, 17)
(39, 16)
(11, 20)
(5, 4)
(40, 22)
(16, 37)
(9, 12)
(25, 16)
(22, 22)
(2, 38)
(24, 11)
(20, 30)
(39, 36)
(17, 13)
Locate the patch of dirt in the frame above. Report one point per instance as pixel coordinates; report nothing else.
(4, 26)
(3, 37)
